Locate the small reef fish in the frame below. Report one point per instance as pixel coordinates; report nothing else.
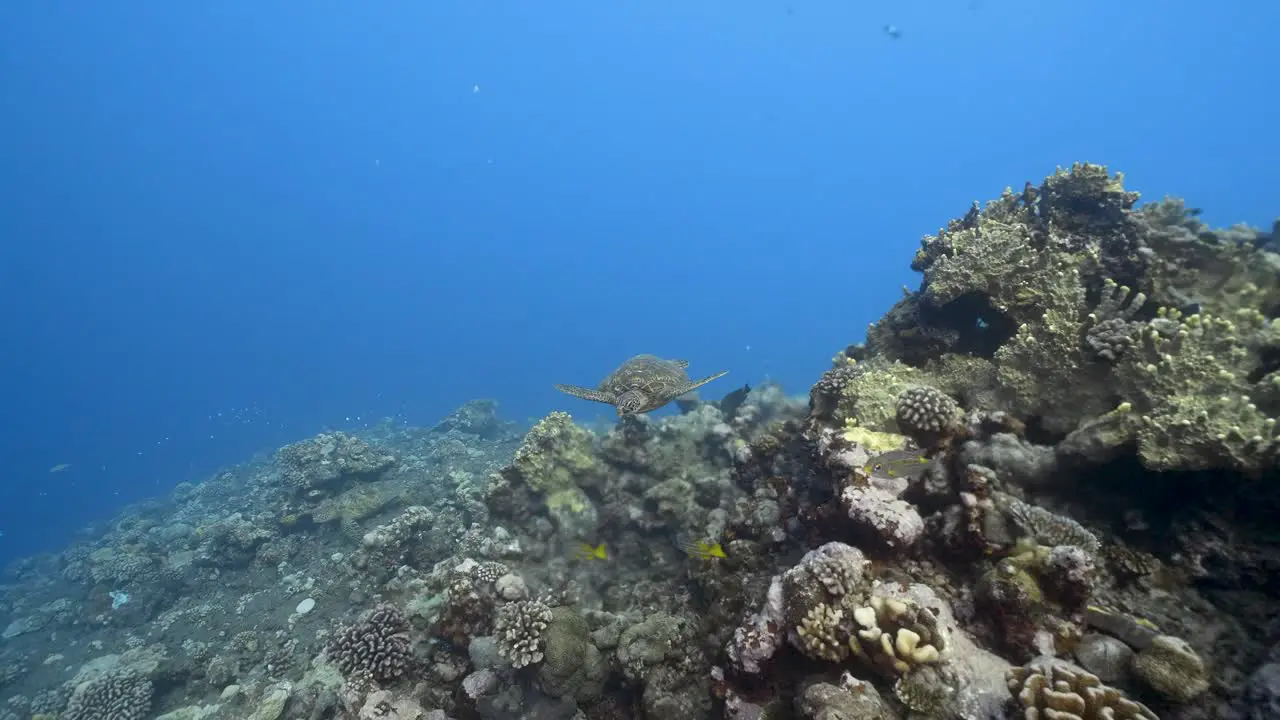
(702, 549)
(897, 463)
(592, 552)
(59, 467)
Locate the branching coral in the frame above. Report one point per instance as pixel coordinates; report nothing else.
(376, 647)
(866, 393)
(825, 575)
(896, 635)
(1049, 689)
(1111, 328)
(518, 629)
(821, 634)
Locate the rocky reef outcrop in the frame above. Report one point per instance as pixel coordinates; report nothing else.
(1044, 486)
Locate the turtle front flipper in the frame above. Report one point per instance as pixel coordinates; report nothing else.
(586, 393)
(699, 383)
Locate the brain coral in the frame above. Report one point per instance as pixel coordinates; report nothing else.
(118, 695)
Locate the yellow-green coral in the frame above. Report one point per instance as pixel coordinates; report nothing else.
(870, 394)
(1187, 383)
(568, 500)
(556, 456)
(874, 442)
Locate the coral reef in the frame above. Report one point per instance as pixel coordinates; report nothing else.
(1044, 487)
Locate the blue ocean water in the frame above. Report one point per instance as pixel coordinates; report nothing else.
(225, 226)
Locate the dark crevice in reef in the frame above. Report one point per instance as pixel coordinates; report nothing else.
(981, 328)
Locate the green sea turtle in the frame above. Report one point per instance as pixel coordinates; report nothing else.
(641, 384)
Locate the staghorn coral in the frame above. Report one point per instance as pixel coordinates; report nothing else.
(376, 647)
(118, 695)
(518, 629)
(1052, 689)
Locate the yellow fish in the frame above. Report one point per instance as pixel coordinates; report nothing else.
(897, 463)
(59, 467)
(702, 549)
(589, 552)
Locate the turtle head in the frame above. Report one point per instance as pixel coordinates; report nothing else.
(630, 402)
